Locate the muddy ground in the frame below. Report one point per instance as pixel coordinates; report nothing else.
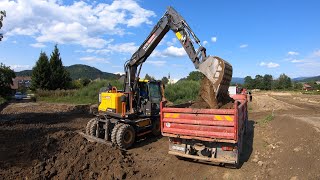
(40, 141)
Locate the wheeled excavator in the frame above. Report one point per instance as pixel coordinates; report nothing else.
(124, 115)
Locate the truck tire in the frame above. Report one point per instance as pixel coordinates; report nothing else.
(156, 131)
(125, 136)
(88, 127)
(114, 133)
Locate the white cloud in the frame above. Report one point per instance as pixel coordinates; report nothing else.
(18, 67)
(269, 65)
(123, 48)
(214, 39)
(156, 63)
(316, 53)
(172, 42)
(243, 45)
(205, 43)
(94, 59)
(79, 23)
(170, 51)
(174, 51)
(293, 53)
(38, 45)
(296, 61)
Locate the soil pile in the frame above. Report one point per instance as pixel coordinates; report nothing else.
(72, 157)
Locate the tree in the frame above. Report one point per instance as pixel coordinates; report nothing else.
(60, 77)
(258, 82)
(165, 80)
(41, 73)
(297, 85)
(248, 82)
(195, 76)
(284, 82)
(85, 81)
(267, 82)
(6, 76)
(2, 15)
(148, 77)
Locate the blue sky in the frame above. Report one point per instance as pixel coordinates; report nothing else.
(256, 37)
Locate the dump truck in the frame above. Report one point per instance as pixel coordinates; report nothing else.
(212, 135)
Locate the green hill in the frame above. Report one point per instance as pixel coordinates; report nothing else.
(80, 71)
(308, 79)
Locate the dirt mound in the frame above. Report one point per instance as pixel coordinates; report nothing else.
(72, 157)
(42, 107)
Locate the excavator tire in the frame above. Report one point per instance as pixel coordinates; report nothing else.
(93, 128)
(125, 136)
(156, 131)
(88, 127)
(114, 133)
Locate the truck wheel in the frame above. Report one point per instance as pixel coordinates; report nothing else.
(114, 133)
(156, 127)
(125, 136)
(88, 127)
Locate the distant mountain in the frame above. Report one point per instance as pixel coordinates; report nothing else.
(24, 73)
(307, 79)
(80, 71)
(237, 80)
(299, 78)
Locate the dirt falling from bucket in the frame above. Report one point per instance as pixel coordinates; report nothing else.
(207, 98)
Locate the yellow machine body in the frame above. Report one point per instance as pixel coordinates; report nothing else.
(110, 101)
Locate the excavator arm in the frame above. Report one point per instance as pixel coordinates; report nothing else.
(218, 71)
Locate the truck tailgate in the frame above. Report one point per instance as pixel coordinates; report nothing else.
(220, 125)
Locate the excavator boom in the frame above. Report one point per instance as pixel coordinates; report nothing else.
(216, 70)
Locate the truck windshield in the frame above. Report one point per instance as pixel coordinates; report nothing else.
(154, 91)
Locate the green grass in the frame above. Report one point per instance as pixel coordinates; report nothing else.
(311, 92)
(85, 95)
(2, 100)
(180, 92)
(266, 119)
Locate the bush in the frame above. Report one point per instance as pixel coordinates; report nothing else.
(182, 91)
(84, 95)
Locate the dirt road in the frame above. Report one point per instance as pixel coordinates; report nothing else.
(40, 141)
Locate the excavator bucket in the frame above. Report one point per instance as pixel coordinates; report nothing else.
(219, 73)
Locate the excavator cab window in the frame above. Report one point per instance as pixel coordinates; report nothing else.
(154, 92)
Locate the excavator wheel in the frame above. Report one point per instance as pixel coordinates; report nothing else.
(156, 127)
(114, 133)
(93, 128)
(125, 136)
(88, 127)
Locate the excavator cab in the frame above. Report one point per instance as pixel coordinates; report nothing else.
(149, 97)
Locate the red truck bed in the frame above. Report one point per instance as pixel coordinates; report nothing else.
(220, 127)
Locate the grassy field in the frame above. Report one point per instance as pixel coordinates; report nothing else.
(85, 95)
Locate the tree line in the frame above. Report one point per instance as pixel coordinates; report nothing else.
(50, 74)
(267, 82)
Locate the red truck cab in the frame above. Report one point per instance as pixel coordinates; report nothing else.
(214, 135)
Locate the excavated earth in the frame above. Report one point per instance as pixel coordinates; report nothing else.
(207, 98)
(40, 141)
